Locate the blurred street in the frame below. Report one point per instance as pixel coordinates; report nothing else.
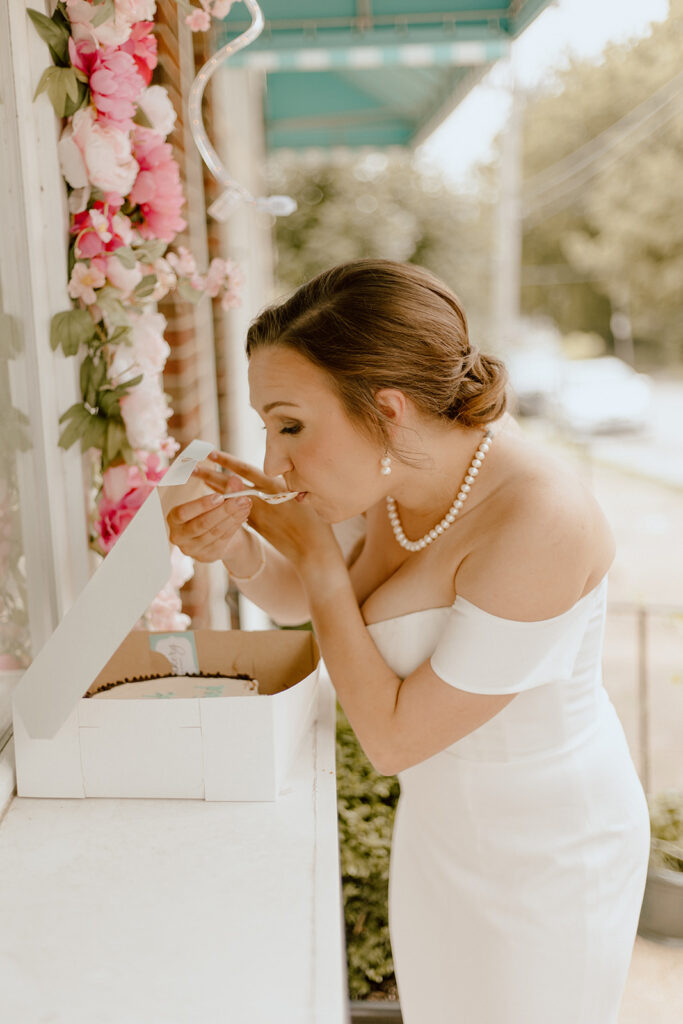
(646, 517)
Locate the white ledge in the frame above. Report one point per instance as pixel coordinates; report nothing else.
(177, 911)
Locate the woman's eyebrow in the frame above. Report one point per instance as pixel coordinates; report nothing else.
(272, 405)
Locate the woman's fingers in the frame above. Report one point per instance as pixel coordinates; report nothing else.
(254, 475)
(219, 481)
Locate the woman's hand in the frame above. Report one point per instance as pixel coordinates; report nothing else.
(293, 528)
(207, 528)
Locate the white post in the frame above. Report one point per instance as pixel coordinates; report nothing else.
(237, 97)
(508, 229)
(33, 276)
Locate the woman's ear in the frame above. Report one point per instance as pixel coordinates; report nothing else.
(392, 403)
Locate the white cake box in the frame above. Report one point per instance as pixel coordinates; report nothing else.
(211, 748)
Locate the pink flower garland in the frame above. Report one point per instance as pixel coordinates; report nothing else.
(126, 199)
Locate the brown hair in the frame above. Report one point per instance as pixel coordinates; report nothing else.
(374, 324)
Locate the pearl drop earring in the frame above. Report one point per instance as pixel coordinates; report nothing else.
(385, 463)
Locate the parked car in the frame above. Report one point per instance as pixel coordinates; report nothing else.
(603, 395)
(535, 375)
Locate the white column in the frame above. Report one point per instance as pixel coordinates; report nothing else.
(508, 229)
(237, 97)
(33, 273)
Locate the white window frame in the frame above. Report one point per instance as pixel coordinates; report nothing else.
(33, 268)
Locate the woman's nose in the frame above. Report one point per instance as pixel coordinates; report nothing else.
(276, 461)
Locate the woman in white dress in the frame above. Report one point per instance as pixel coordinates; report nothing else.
(462, 632)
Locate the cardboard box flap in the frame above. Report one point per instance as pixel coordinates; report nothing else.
(115, 597)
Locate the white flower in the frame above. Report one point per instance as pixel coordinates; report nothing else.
(122, 227)
(182, 568)
(123, 278)
(106, 159)
(147, 351)
(145, 411)
(166, 279)
(136, 10)
(158, 108)
(101, 225)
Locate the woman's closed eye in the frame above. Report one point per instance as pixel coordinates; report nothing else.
(292, 428)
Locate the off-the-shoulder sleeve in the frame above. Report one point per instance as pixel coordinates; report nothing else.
(482, 653)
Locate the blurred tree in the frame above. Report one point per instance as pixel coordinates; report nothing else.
(603, 155)
(385, 205)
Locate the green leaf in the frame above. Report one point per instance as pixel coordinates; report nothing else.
(112, 307)
(140, 117)
(146, 286)
(78, 424)
(72, 411)
(126, 255)
(53, 32)
(116, 439)
(95, 434)
(187, 292)
(71, 329)
(150, 251)
(85, 377)
(66, 93)
(105, 10)
(82, 97)
(119, 336)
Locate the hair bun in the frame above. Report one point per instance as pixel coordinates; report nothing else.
(481, 390)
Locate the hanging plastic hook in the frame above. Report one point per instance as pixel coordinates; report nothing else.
(234, 193)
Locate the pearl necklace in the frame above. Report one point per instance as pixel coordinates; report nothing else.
(431, 535)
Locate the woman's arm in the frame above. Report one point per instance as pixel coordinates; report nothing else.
(276, 588)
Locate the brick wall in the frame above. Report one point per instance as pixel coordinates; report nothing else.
(189, 375)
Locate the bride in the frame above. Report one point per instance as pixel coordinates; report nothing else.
(456, 577)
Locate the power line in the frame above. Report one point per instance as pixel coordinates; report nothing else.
(573, 171)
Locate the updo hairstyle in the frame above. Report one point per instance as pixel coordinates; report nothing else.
(373, 324)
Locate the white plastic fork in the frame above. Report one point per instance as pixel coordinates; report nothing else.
(271, 499)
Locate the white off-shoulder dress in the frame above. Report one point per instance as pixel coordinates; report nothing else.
(519, 853)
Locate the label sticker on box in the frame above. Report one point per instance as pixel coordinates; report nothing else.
(180, 650)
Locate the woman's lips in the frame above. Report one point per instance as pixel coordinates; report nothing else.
(301, 495)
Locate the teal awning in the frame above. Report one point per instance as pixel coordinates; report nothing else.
(372, 72)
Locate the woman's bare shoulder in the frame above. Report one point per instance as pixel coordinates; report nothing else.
(547, 542)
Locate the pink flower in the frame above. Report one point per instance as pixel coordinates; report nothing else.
(166, 279)
(115, 82)
(96, 153)
(215, 277)
(221, 8)
(123, 278)
(157, 189)
(84, 279)
(182, 261)
(165, 612)
(198, 20)
(142, 46)
(124, 489)
(99, 231)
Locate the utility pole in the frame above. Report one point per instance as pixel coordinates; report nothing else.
(507, 262)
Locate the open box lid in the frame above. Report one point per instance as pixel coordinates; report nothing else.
(117, 594)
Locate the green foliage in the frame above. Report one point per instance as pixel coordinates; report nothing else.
(666, 823)
(612, 223)
(381, 205)
(366, 805)
(55, 32)
(71, 329)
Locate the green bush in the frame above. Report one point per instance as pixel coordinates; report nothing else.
(666, 823)
(366, 806)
